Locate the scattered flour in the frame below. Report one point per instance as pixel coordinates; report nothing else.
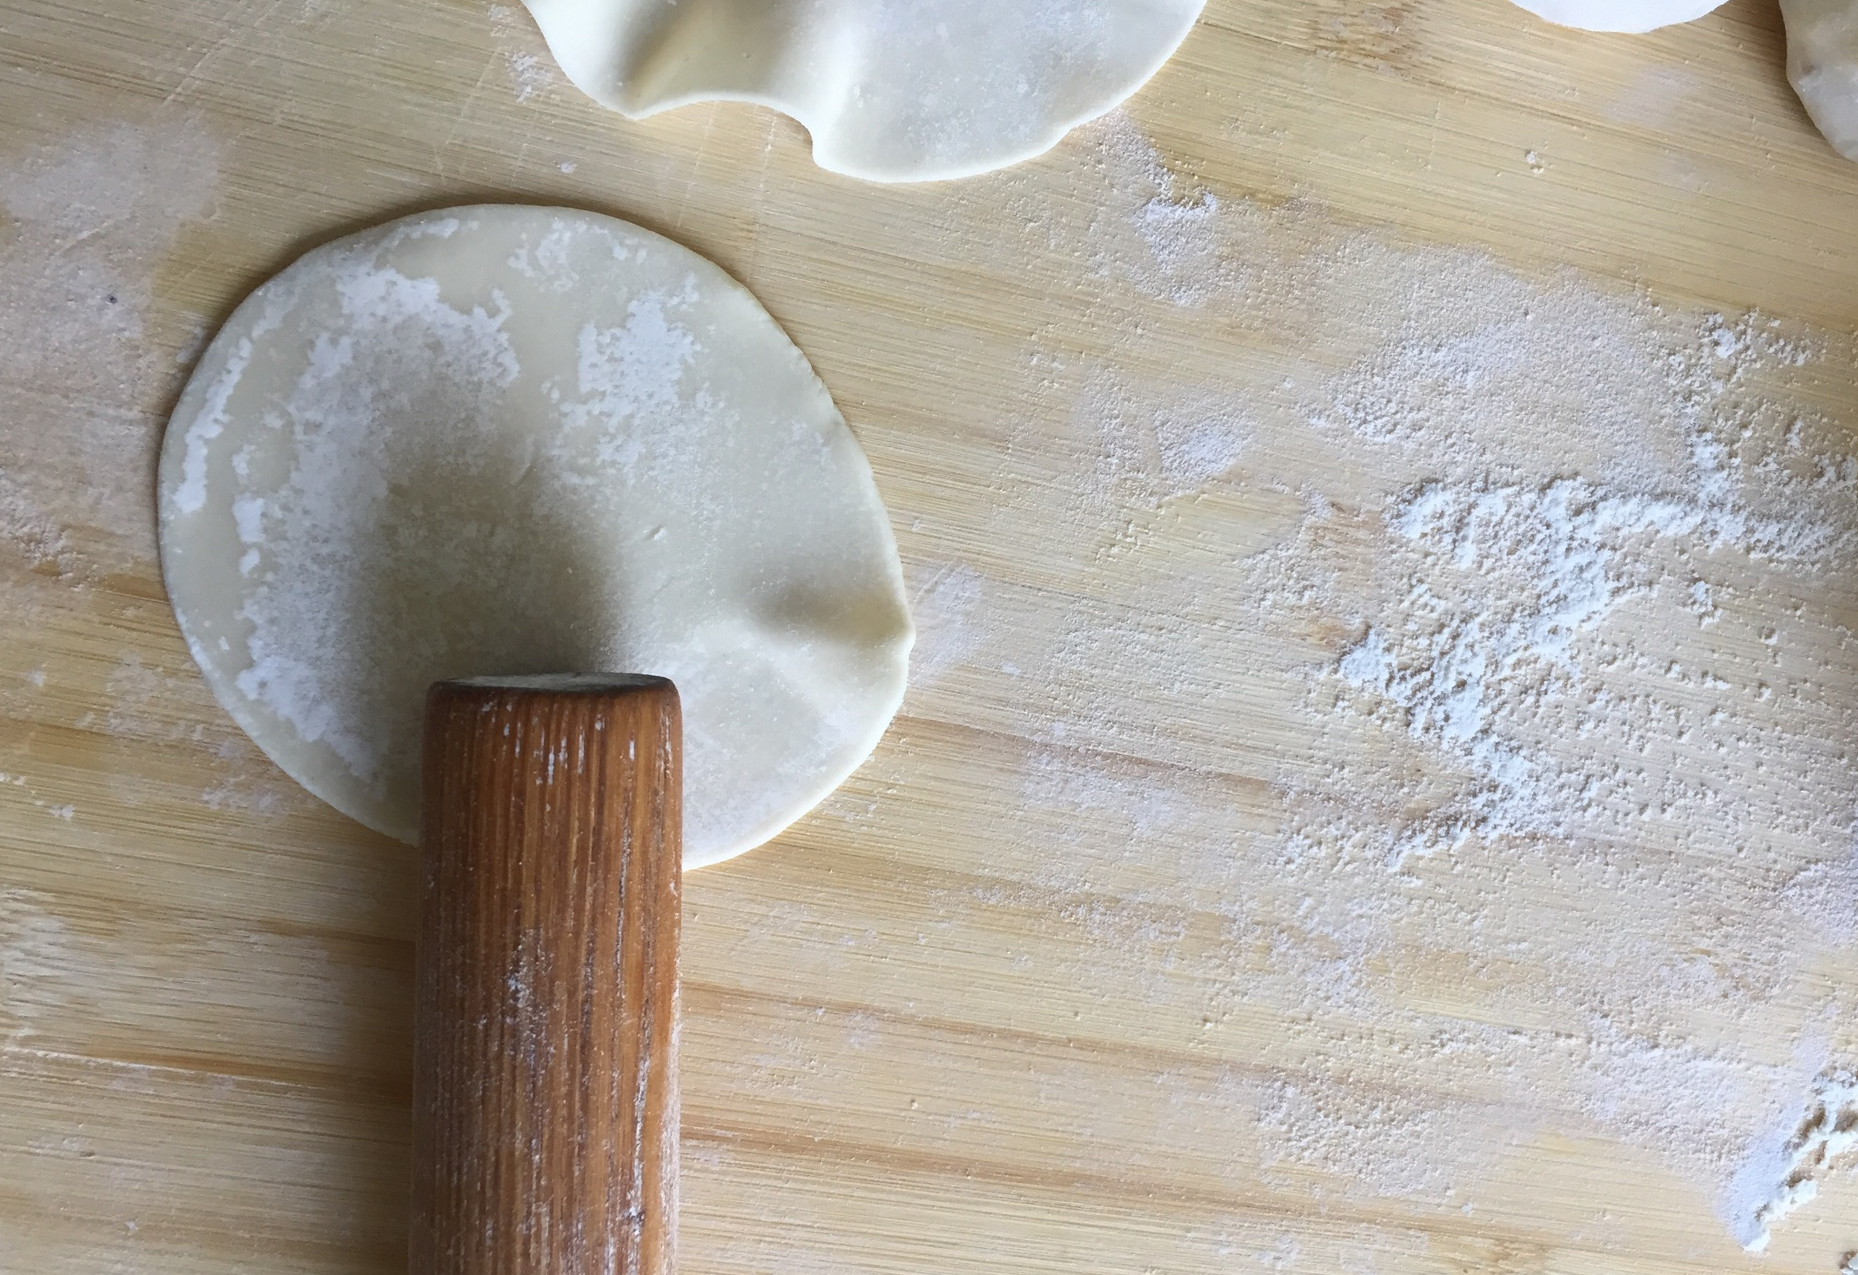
(1342, 1132)
(85, 223)
(42, 541)
(1655, 94)
(88, 218)
(529, 69)
(1183, 258)
(1826, 1140)
(1523, 637)
(1533, 633)
(528, 72)
(944, 607)
(1825, 896)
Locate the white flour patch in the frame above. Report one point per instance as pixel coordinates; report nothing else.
(150, 704)
(1785, 1168)
(1530, 633)
(41, 541)
(529, 74)
(243, 795)
(529, 69)
(1155, 444)
(1390, 1146)
(90, 218)
(450, 373)
(947, 608)
(1825, 895)
(1170, 245)
(1655, 96)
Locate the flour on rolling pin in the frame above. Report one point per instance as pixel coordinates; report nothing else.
(500, 440)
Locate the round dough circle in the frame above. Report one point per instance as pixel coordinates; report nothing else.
(507, 440)
(890, 90)
(1631, 16)
(1822, 65)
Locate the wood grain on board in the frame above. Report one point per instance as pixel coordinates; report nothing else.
(904, 1050)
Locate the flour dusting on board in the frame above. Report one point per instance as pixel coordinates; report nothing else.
(530, 70)
(1519, 642)
(944, 606)
(85, 222)
(1790, 1174)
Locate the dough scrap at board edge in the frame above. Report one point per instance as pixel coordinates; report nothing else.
(1631, 17)
(1822, 65)
(891, 90)
(515, 356)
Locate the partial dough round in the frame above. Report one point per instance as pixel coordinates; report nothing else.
(1822, 64)
(891, 90)
(1633, 16)
(503, 440)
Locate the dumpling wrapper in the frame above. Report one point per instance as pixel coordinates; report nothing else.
(1630, 16)
(514, 440)
(891, 90)
(1822, 65)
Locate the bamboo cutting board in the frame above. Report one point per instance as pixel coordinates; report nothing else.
(908, 1046)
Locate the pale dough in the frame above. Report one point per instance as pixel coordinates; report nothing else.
(1822, 63)
(891, 90)
(1634, 16)
(503, 440)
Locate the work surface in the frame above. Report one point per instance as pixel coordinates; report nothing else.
(1375, 791)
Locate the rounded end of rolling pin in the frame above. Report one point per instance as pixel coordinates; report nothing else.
(558, 684)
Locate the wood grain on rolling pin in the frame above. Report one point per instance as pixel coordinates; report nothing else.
(545, 1113)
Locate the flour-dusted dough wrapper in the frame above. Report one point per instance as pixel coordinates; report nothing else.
(1632, 16)
(1822, 64)
(502, 440)
(891, 90)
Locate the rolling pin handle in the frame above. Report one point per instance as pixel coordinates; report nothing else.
(545, 1113)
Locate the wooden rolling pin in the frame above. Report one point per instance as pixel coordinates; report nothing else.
(545, 1113)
